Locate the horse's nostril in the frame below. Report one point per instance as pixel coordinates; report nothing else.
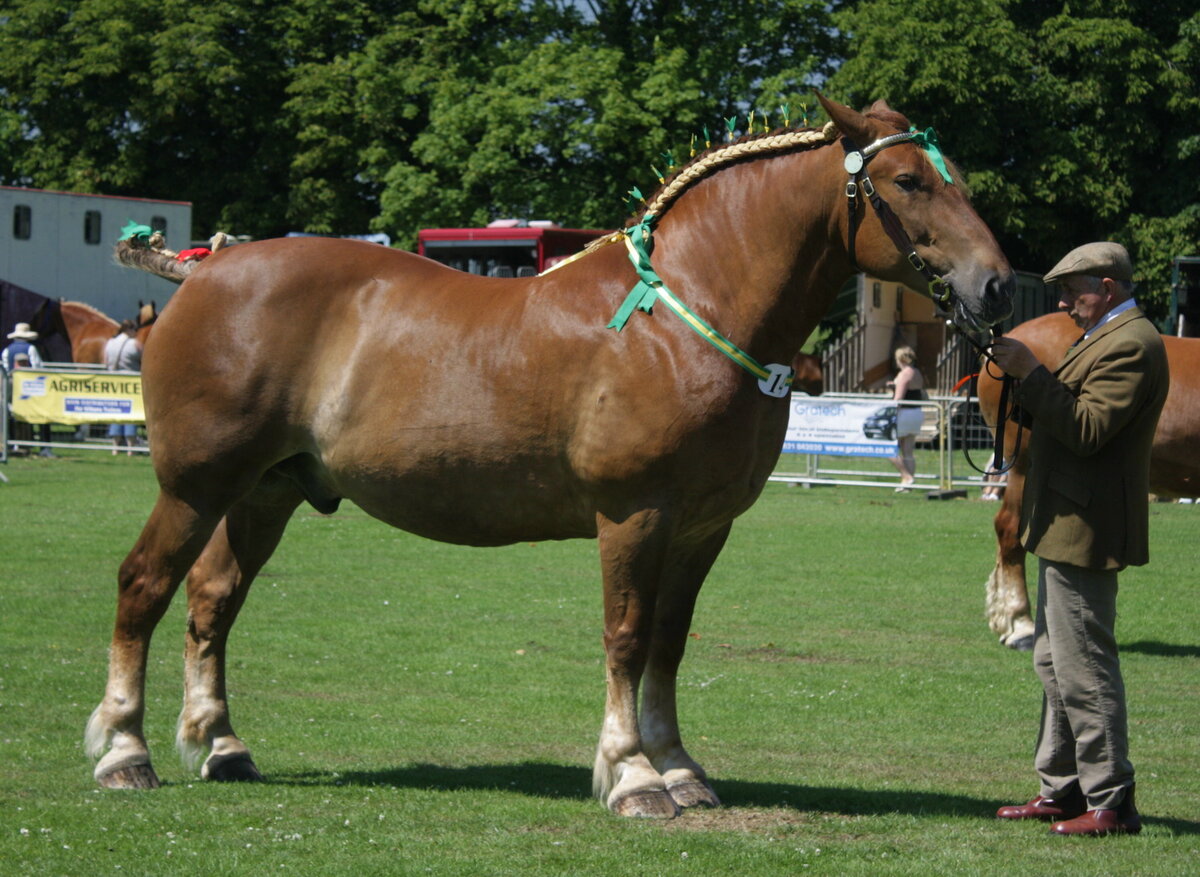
(998, 292)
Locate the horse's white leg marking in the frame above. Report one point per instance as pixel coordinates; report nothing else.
(632, 555)
(1008, 605)
(116, 723)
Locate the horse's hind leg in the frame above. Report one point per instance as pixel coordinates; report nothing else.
(216, 588)
(632, 554)
(1007, 595)
(685, 779)
(169, 543)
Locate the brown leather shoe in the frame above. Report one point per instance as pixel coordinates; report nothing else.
(1067, 806)
(1097, 823)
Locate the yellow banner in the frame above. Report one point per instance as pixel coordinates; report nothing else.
(63, 397)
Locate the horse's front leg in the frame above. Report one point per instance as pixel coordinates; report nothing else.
(1007, 596)
(169, 543)
(686, 570)
(633, 555)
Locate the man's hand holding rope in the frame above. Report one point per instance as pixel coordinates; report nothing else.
(1013, 357)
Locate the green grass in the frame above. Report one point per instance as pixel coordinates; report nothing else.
(419, 708)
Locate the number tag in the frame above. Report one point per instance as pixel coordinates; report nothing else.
(778, 382)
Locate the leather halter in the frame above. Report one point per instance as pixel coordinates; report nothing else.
(938, 289)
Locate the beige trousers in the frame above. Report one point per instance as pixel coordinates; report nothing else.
(1084, 737)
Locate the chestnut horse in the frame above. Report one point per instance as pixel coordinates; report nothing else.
(1174, 461)
(486, 411)
(89, 329)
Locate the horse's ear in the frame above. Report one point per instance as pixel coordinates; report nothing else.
(880, 106)
(851, 123)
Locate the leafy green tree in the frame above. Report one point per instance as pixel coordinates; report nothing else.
(562, 112)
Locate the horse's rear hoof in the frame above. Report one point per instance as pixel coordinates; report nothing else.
(237, 768)
(693, 794)
(135, 776)
(650, 805)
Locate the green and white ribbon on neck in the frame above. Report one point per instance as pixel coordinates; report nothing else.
(774, 380)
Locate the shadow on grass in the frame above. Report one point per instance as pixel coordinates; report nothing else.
(539, 779)
(1162, 650)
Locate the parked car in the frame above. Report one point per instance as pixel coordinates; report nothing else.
(881, 424)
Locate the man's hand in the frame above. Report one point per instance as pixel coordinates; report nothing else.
(1014, 357)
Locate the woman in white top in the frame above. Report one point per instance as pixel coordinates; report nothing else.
(909, 386)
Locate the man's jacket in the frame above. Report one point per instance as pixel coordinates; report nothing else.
(1086, 494)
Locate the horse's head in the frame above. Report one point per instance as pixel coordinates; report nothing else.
(908, 220)
(147, 313)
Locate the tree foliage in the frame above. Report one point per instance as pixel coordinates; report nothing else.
(1072, 121)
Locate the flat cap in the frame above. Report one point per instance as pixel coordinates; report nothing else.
(1101, 259)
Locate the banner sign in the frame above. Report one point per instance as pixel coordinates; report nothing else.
(74, 398)
(841, 427)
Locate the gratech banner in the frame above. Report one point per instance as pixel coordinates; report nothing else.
(73, 398)
(841, 427)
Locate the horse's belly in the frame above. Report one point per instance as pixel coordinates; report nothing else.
(472, 507)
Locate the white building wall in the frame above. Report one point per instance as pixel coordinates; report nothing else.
(56, 261)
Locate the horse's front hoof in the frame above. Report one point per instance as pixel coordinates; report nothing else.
(650, 805)
(237, 768)
(693, 794)
(133, 776)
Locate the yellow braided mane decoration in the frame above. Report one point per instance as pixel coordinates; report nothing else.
(713, 160)
(723, 155)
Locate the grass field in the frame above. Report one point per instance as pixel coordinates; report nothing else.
(420, 708)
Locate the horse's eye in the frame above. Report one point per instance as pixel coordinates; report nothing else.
(906, 183)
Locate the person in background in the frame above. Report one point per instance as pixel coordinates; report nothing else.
(1085, 515)
(21, 352)
(123, 352)
(908, 386)
(21, 344)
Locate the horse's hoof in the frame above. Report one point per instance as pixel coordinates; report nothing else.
(134, 776)
(1021, 643)
(693, 794)
(237, 768)
(650, 805)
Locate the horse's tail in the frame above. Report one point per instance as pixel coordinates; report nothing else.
(160, 262)
(155, 258)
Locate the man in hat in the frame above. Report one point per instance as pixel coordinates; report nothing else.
(23, 353)
(1085, 516)
(22, 338)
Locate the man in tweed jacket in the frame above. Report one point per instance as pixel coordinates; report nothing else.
(1085, 516)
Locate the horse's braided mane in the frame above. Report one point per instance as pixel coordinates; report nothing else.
(713, 159)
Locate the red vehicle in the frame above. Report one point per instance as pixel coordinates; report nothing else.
(506, 248)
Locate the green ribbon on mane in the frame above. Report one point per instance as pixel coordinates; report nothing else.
(928, 141)
(643, 296)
